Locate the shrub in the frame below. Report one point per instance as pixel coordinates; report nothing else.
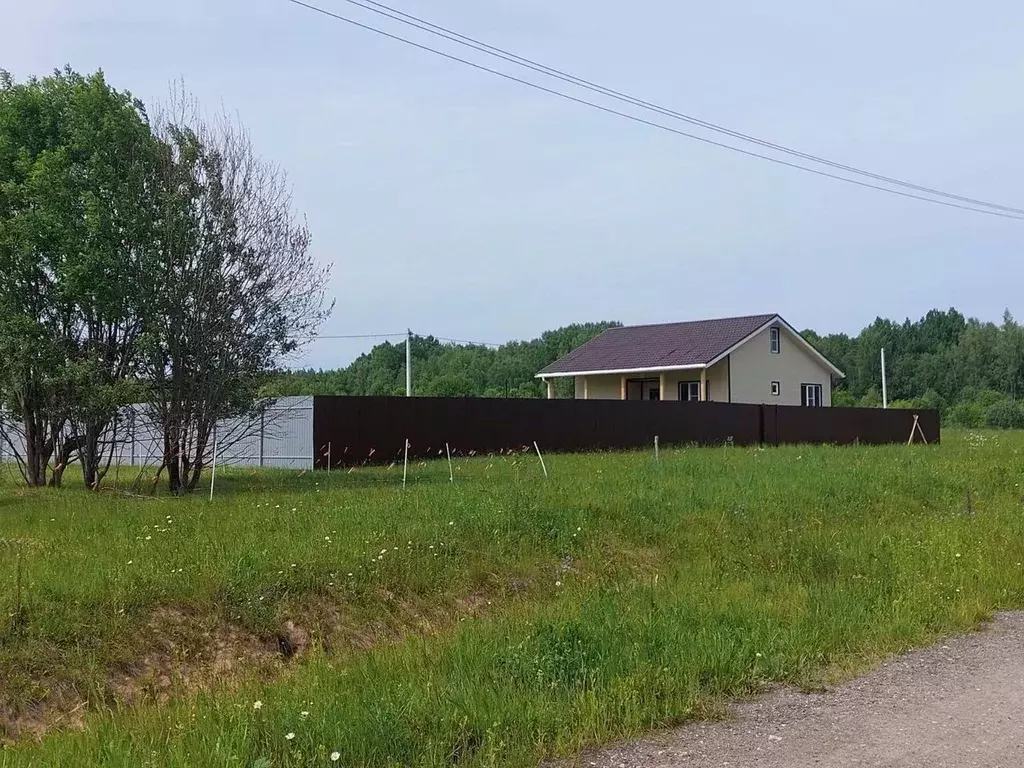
(1006, 414)
(969, 415)
(842, 398)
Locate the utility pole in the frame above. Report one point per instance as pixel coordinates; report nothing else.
(408, 363)
(885, 395)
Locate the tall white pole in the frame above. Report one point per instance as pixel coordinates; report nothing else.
(885, 394)
(408, 364)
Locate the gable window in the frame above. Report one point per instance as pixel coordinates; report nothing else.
(775, 336)
(689, 390)
(810, 395)
(776, 389)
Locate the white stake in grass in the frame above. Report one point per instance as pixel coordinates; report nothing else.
(405, 468)
(213, 474)
(656, 458)
(451, 470)
(328, 458)
(542, 465)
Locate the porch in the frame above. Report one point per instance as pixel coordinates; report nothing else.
(694, 383)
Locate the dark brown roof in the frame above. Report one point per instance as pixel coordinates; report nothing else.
(658, 346)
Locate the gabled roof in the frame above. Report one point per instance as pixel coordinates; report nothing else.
(668, 346)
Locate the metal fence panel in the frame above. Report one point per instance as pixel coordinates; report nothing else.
(358, 430)
(282, 437)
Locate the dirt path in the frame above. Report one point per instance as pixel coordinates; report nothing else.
(958, 704)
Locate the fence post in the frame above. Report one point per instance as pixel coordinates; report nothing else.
(656, 459)
(263, 436)
(405, 467)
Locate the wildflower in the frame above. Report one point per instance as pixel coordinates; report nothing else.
(148, 538)
(289, 736)
(257, 705)
(558, 583)
(303, 714)
(335, 757)
(130, 562)
(958, 554)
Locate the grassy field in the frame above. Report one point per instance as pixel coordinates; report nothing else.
(497, 621)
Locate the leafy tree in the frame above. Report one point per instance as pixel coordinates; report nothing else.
(75, 230)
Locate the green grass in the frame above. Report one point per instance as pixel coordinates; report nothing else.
(511, 618)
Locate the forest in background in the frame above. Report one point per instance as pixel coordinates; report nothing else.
(972, 370)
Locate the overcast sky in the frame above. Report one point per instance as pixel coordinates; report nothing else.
(455, 203)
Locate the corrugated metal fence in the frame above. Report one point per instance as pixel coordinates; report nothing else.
(301, 432)
(281, 437)
(356, 430)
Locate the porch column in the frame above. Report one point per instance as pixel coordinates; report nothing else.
(703, 384)
(551, 388)
(622, 388)
(586, 392)
(662, 395)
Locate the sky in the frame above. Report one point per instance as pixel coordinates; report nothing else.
(455, 203)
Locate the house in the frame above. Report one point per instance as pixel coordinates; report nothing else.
(755, 359)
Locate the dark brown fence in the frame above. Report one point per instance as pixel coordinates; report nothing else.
(357, 430)
(844, 426)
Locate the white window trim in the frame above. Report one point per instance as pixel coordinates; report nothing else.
(819, 395)
(776, 388)
(688, 385)
(775, 340)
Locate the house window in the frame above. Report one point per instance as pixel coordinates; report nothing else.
(776, 389)
(775, 334)
(689, 390)
(654, 393)
(810, 395)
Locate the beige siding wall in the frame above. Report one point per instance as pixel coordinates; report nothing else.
(754, 368)
(579, 387)
(718, 382)
(602, 387)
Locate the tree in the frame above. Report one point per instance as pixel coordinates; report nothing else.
(237, 290)
(75, 212)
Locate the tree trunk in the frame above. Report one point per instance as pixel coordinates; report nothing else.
(36, 455)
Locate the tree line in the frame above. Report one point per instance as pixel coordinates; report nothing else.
(151, 259)
(971, 369)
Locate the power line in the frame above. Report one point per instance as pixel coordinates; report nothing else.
(643, 121)
(464, 341)
(500, 53)
(361, 336)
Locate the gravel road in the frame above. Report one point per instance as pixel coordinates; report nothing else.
(958, 704)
